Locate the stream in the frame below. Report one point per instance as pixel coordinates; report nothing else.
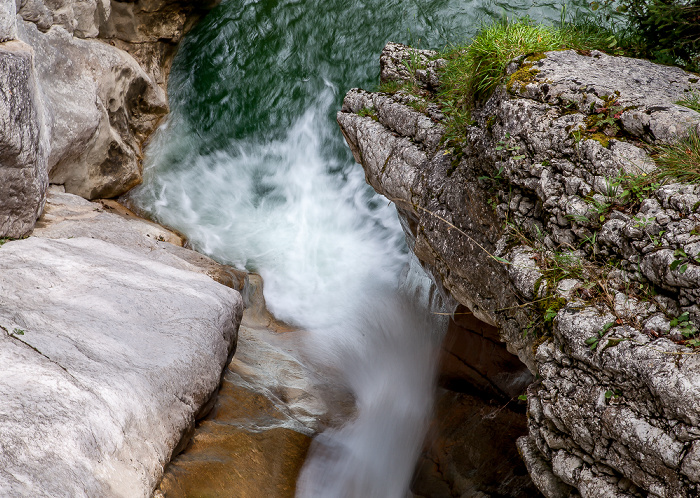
(250, 165)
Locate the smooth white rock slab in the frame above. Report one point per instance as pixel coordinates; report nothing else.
(117, 355)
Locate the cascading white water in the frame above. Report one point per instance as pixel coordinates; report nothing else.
(252, 168)
(331, 253)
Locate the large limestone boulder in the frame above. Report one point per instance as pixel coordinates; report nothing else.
(111, 346)
(107, 358)
(101, 106)
(23, 141)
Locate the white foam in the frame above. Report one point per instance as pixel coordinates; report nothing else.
(331, 253)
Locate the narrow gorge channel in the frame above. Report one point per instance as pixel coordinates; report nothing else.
(250, 165)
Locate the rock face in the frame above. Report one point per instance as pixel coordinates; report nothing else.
(549, 179)
(474, 360)
(110, 352)
(74, 107)
(23, 141)
(470, 451)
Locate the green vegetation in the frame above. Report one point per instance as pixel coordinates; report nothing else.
(691, 101)
(392, 86)
(665, 31)
(680, 160)
(474, 70)
(368, 112)
(484, 60)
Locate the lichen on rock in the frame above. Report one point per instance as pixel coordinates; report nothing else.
(542, 224)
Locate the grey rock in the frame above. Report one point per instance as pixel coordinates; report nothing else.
(24, 144)
(8, 20)
(549, 484)
(150, 31)
(115, 353)
(101, 106)
(400, 63)
(611, 420)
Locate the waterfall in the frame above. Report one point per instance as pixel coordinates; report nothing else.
(251, 167)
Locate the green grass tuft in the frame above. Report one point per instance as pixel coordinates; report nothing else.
(391, 86)
(691, 101)
(680, 160)
(474, 70)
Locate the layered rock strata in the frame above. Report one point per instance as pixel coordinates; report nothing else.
(538, 223)
(85, 86)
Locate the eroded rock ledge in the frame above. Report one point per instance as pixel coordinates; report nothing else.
(527, 185)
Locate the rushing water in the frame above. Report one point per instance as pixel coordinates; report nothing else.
(251, 167)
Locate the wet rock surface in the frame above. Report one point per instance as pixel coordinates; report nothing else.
(255, 440)
(539, 178)
(470, 451)
(474, 360)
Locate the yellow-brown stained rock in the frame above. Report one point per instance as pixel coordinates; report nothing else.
(226, 461)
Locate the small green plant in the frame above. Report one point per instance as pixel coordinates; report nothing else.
(681, 261)
(503, 145)
(612, 394)
(680, 160)
(368, 112)
(686, 328)
(606, 119)
(496, 178)
(592, 342)
(17, 331)
(522, 397)
(657, 239)
(691, 101)
(414, 62)
(635, 188)
(642, 221)
(420, 105)
(391, 86)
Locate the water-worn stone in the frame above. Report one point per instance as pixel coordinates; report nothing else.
(254, 441)
(107, 359)
(517, 227)
(94, 102)
(23, 142)
(474, 360)
(151, 30)
(101, 107)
